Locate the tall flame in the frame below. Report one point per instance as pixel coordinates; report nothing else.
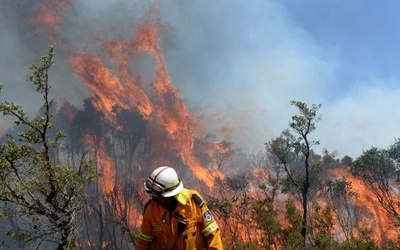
(118, 87)
(374, 217)
(109, 76)
(109, 87)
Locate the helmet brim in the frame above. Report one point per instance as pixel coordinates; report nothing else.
(174, 192)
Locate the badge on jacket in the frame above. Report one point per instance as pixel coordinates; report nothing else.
(208, 216)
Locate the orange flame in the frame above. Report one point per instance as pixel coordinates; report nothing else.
(117, 86)
(108, 87)
(110, 78)
(121, 88)
(378, 220)
(173, 113)
(50, 16)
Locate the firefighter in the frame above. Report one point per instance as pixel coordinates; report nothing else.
(176, 218)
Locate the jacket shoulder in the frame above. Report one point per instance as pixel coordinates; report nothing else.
(146, 205)
(197, 198)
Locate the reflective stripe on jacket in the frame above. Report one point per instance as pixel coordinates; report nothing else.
(160, 227)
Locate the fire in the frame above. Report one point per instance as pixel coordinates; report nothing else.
(219, 148)
(373, 215)
(118, 87)
(146, 40)
(173, 113)
(108, 87)
(50, 16)
(109, 76)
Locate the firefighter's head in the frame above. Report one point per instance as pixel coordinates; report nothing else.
(163, 182)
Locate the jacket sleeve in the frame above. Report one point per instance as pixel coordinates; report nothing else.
(214, 241)
(209, 227)
(145, 238)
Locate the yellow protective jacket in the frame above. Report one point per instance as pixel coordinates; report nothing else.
(160, 227)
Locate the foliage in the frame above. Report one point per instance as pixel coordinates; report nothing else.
(37, 189)
(237, 182)
(364, 242)
(378, 170)
(375, 167)
(292, 233)
(346, 161)
(286, 149)
(394, 154)
(304, 124)
(322, 226)
(340, 194)
(265, 217)
(247, 222)
(50, 193)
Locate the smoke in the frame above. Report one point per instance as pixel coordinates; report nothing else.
(237, 66)
(15, 51)
(23, 43)
(239, 70)
(203, 81)
(215, 58)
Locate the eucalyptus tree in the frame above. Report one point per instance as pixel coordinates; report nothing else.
(289, 145)
(379, 169)
(43, 194)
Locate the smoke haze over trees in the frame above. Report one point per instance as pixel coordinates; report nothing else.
(263, 54)
(122, 102)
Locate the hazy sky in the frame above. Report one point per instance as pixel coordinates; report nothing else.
(238, 64)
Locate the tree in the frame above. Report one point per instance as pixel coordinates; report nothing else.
(377, 169)
(264, 213)
(322, 226)
(247, 221)
(287, 146)
(292, 234)
(394, 154)
(340, 194)
(40, 191)
(130, 132)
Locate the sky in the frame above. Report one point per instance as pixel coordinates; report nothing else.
(239, 63)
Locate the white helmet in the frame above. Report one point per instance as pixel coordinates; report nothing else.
(163, 182)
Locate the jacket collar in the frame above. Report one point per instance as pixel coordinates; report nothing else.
(183, 196)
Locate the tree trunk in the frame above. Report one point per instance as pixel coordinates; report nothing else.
(65, 241)
(306, 186)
